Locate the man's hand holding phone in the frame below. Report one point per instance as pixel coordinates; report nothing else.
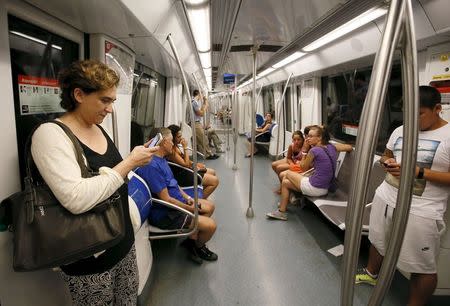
(390, 165)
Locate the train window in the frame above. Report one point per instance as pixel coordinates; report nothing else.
(288, 110)
(37, 56)
(268, 100)
(343, 98)
(147, 103)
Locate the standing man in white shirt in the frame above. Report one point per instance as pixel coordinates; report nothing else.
(425, 226)
(200, 109)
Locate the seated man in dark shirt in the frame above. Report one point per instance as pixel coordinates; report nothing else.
(163, 185)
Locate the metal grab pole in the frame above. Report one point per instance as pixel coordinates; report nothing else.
(205, 113)
(194, 144)
(235, 121)
(256, 101)
(365, 148)
(250, 213)
(115, 126)
(409, 155)
(280, 111)
(137, 83)
(228, 120)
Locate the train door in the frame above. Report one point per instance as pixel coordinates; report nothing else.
(310, 102)
(288, 117)
(37, 56)
(298, 104)
(38, 47)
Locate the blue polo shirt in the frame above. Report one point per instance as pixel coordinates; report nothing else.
(197, 106)
(157, 175)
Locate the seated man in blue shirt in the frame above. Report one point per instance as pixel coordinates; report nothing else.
(163, 185)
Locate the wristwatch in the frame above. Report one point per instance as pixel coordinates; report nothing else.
(421, 172)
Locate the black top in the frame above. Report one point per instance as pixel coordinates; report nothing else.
(113, 255)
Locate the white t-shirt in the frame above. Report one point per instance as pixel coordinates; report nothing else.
(429, 199)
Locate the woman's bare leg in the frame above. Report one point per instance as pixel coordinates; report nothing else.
(210, 183)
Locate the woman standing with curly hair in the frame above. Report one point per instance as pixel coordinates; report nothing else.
(88, 91)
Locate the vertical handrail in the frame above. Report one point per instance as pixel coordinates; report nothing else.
(409, 155)
(228, 120)
(365, 144)
(115, 126)
(250, 212)
(280, 112)
(137, 83)
(194, 144)
(235, 122)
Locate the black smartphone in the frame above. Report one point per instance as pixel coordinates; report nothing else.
(156, 140)
(388, 165)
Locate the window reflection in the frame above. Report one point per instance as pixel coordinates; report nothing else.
(147, 104)
(343, 99)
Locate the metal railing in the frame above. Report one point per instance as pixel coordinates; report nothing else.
(281, 109)
(399, 28)
(250, 213)
(115, 126)
(192, 230)
(235, 118)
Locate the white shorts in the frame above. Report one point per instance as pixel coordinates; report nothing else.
(421, 243)
(309, 190)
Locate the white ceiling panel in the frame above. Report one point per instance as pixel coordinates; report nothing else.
(93, 16)
(167, 19)
(438, 12)
(150, 13)
(272, 22)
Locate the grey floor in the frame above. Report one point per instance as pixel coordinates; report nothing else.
(261, 262)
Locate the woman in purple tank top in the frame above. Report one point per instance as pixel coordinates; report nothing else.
(322, 158)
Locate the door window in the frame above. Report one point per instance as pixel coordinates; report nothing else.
(37, 57)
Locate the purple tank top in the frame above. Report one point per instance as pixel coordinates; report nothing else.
(323, 169)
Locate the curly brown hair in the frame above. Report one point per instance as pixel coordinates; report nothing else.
(88, 75)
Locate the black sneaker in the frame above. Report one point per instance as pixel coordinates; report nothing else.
(206, 253)
(189, 244)
(214, 156)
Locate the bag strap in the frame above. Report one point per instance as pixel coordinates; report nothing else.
(86, 171)
(85, 168)
(333, 166)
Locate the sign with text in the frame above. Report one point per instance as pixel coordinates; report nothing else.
(228, 78)
(38, 95)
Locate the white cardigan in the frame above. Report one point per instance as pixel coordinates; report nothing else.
(54, 155)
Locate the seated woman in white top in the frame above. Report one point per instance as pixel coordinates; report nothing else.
(263, 137)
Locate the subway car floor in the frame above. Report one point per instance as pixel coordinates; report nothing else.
(261, 261)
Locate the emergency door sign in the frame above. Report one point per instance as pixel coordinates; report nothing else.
(38, 95)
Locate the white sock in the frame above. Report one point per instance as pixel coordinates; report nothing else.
(370, 274)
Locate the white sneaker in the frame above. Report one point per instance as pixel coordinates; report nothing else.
(277, 215)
